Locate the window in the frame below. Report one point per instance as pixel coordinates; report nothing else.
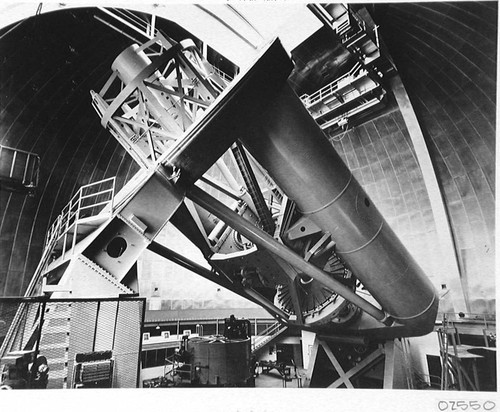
(160, 357)
(153, 358)
(150, 359)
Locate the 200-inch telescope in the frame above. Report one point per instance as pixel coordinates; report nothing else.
(274, 170)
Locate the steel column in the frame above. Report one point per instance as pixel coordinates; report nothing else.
(312, 362)
(448, 262)
(389, 364)
(252, 185)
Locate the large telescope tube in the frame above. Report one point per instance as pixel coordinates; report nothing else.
(261, 110)
(290, 145)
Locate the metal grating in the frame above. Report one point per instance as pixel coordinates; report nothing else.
(125, 346)
(71, 329)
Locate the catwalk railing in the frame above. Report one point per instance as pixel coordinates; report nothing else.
(19, 169)
(267, 335)
(461, 363)
(88, 202)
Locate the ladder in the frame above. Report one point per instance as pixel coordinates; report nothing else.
(454, 374)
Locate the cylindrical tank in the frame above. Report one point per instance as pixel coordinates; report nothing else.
(130, 63)
(133, 67)
(218, 361)
(293, 149)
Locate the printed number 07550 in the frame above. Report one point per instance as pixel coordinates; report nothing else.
(466, 405)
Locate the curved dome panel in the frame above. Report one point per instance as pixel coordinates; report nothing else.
(445, 53)
(51, 62)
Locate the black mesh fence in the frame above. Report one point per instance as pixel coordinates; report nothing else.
(70, 343)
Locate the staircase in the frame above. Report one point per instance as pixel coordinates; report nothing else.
(91, 206)
(265, 337)
(25, 309)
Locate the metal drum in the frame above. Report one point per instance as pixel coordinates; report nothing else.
(218, 361)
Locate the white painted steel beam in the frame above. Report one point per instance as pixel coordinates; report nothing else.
(449, 264)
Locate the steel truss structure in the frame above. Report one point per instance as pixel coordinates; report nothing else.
(244, 171)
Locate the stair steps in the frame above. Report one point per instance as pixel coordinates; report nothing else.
(267, 336)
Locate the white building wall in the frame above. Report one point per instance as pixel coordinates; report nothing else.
(169, 286)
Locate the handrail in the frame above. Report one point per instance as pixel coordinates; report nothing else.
(332, 87)
(457, 317)
(93, 194)
(31, 286)
(269, 329)
(71, 213)
(62, 224)
(30, 174)
(69, 216)
(222, 74)
(267, 334)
